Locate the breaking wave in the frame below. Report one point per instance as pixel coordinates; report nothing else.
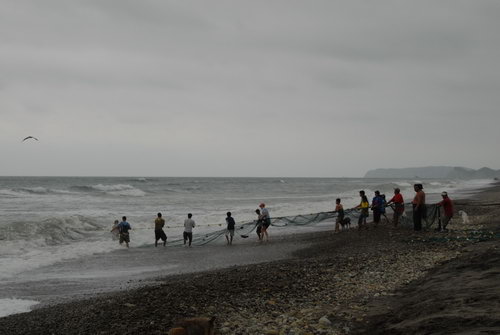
(30, 191)
(52, 231)
(116, 190)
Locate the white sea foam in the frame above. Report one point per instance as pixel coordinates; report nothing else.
(46, 221)
(403, 184)
(15, 306)
(120, 189)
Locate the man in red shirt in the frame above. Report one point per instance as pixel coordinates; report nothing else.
(399, 206)
(447, 205)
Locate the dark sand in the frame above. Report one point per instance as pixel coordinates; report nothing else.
(378, 281)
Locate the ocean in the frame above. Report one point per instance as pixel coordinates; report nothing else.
(49, 222)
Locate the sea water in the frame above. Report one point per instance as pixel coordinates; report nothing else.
(48, 220)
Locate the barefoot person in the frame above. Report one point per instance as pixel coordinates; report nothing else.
(363, 206)
(123, 228)
(258, 224)
(159, 233)
(339, 209)
(230, 228)
(447, 205)
(377, 205)
(399, 206)
(266, 221)
(418, 207)
(189, 224)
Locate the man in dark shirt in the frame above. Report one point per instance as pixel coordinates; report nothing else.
(230, 228)
(419, 209)
(377, 208)
(159, 233)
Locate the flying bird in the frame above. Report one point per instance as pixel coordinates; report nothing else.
(27, 138)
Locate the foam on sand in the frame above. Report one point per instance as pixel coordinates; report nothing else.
(14, 306)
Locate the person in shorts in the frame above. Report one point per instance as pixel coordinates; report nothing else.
(266, 221)
(189, 224)
(159, 233)
(230, 228)
(123, 228)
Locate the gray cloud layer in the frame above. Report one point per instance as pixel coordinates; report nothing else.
(255, 88)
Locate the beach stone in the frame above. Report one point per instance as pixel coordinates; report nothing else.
(324, 321)
(225, 330)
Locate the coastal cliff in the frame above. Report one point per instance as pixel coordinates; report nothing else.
(442, 172)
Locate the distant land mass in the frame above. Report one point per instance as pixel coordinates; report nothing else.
(441, 172)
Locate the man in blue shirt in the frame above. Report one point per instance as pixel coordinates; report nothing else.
(377, 207)
(123, 228)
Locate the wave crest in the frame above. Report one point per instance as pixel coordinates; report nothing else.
(116, 189)
(52, 231)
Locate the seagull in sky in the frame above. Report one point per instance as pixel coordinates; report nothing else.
(27, 138)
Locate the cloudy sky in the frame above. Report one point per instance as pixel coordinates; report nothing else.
(247, 88)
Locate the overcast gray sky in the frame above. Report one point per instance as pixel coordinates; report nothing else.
(247, 88)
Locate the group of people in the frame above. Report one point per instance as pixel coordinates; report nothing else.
(121, 229)
(379, 204)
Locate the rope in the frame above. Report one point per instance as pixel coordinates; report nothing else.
(245, 228)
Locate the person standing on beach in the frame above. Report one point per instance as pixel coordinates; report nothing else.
(377, 206)
(230, 228)
(447, 205)
(189, 224)
(419, 209)
(159, 233)
(266, 221)
(363, 206)
(123, 228)
(258, 224)
(399, 206)
(339, 209)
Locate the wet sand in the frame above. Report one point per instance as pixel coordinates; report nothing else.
(377, 280)
(131, 268)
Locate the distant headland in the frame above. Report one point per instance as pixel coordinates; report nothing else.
(446, 172)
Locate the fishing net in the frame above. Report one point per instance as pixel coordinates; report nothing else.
(244, 229)
(432, 217)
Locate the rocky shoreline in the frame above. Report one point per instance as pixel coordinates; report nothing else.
(353, 282)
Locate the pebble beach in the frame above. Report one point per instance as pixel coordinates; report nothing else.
(376, 281)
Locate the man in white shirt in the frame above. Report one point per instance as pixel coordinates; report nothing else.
(188, 229)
